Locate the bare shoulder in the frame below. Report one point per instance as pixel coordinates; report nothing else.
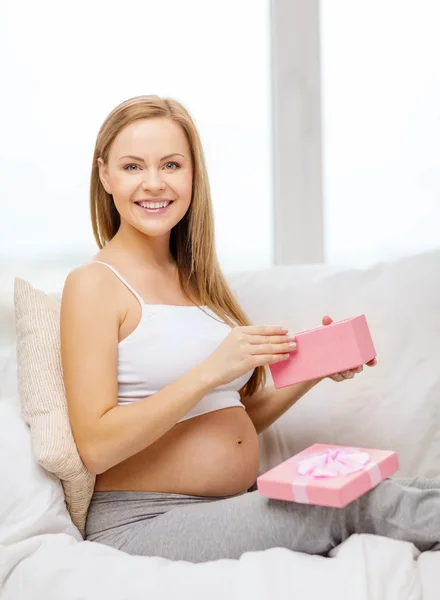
(89, 281)
(91, 300)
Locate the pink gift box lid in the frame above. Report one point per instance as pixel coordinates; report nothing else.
(325, 350)
(285, 483)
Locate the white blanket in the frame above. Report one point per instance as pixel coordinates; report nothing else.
(55, 567)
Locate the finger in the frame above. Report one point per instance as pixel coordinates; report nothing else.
(337, 377)
(348, 374)
(326, 320)
(270, 339)
(269, 359)
(285, 348)
(359, 369)
(372, 363)
(263, 330)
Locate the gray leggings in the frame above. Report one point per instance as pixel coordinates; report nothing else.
(199, 528)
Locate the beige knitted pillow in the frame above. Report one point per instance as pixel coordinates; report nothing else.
(43, 399)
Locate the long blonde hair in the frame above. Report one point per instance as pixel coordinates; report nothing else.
(192, 239)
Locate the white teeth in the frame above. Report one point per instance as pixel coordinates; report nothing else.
(154, 204)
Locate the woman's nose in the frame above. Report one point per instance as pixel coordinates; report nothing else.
(153, 180)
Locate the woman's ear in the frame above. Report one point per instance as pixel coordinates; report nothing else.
(103, 175)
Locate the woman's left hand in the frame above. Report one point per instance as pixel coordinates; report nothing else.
(347, 374)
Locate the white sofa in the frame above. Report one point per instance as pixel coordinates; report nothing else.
(396, 405)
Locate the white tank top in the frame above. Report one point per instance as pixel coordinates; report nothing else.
(167, 343)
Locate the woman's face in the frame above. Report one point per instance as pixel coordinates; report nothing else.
(149, 174)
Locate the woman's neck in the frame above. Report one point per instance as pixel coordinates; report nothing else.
(143, 250)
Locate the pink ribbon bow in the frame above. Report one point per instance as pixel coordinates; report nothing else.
(333, 462)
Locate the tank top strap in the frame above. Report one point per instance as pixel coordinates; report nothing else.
(119, 276)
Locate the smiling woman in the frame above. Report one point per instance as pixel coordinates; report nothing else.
(171, 398)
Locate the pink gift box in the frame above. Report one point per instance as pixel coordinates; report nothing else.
(326, 350)
(327, 475)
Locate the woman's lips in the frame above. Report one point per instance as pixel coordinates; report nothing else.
(155, 211)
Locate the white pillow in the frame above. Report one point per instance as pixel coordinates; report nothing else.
(32, 499)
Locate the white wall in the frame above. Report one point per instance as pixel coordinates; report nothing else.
(381, 128)
(67, 65)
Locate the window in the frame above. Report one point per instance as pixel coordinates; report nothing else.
(381, 128)
(68, 65)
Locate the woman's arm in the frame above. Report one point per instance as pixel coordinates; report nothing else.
(268, 404)
(105, 433)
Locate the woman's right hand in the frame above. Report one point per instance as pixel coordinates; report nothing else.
(248, 347)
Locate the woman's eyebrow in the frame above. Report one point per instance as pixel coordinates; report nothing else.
(138, 158)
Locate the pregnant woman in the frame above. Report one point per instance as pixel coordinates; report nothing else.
(165, 376)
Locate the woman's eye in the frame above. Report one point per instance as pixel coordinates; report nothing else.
(170, 166)
(175, 165)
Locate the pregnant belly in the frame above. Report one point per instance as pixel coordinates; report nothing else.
(215, 454)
